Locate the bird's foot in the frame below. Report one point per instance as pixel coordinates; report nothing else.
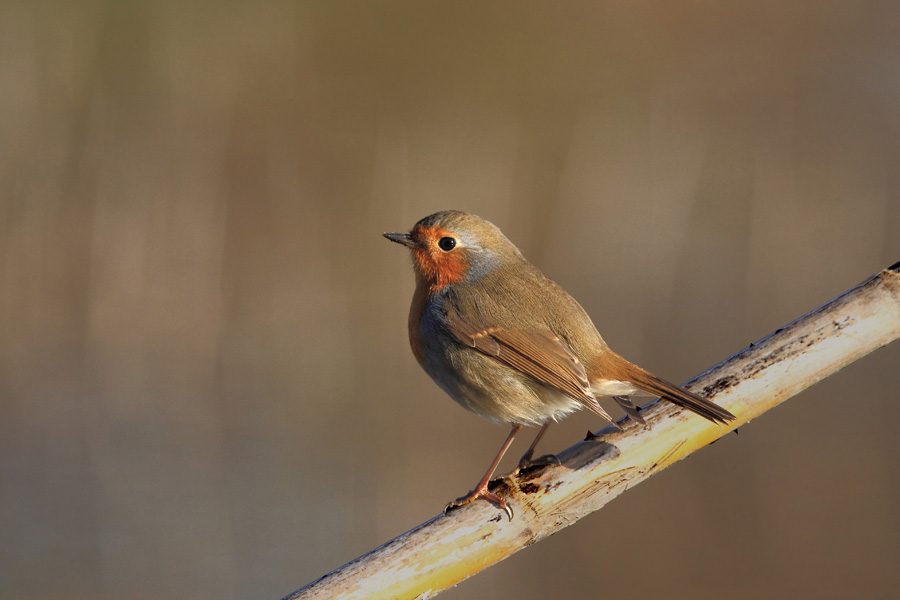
(485, 494)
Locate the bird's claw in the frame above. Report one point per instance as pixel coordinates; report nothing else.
(484, 494)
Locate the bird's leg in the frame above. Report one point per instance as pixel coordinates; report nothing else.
(526, 461)
(481, 490)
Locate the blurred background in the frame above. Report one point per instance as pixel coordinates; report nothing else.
(205, 384)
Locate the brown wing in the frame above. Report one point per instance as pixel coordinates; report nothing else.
(540, 354)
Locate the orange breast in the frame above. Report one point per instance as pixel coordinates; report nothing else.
(437, 268)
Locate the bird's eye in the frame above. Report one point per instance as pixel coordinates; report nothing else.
(446, 244)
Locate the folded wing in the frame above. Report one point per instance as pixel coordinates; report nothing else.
(540, 354)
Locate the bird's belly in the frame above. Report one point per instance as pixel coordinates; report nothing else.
(496, 392)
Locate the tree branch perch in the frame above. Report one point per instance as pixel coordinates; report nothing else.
(453, 546)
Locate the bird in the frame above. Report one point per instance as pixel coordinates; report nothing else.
(508, 343)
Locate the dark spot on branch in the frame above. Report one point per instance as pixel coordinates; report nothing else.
(718, 386)
(530, 488)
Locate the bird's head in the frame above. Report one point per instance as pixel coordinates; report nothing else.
(451, 247)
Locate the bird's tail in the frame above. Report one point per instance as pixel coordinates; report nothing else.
(651, 384)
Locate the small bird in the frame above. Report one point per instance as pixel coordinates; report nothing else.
(508, 343)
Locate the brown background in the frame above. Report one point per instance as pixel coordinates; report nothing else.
(205, 386)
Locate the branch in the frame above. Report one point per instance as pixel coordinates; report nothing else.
(453, 546)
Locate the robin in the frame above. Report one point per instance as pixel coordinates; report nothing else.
(509, 344)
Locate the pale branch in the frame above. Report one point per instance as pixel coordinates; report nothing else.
(455, 545)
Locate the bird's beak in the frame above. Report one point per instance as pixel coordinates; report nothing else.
(401, 238)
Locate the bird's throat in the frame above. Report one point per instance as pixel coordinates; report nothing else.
(435, 269)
